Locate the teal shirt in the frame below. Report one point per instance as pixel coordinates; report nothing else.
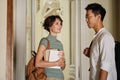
(54, 44)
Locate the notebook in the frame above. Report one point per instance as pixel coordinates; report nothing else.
(51, 56)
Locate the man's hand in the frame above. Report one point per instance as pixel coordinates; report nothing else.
(87, 52)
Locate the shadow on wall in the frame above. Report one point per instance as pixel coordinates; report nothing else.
(117, 20)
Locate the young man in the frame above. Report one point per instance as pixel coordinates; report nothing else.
(101, 51)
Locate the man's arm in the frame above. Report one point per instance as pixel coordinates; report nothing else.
(103, 75)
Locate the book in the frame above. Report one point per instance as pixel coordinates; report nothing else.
(52, 56)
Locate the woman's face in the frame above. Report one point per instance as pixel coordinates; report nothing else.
(56, 27)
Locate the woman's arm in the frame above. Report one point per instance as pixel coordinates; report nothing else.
(39, 62)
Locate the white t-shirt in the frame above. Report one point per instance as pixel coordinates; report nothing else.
(102, 55)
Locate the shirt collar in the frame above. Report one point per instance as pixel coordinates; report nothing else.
(51, 37)
(99, 32)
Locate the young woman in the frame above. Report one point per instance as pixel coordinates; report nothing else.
(53, 24)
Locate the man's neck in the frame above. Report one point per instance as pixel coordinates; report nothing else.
(98, 27)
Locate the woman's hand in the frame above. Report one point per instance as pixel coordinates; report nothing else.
(61, 54)
(61, 61)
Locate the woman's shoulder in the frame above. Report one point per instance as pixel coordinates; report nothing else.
(43, 41)
(59, 41)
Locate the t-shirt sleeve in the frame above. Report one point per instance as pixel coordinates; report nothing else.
(60, 46)
(44, 42)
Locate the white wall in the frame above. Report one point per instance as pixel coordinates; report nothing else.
(3, 27)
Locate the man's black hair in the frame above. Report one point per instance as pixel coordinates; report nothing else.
(97, 9)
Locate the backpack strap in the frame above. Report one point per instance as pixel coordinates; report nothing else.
(48, 43)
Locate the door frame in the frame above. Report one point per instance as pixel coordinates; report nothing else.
(9, 41)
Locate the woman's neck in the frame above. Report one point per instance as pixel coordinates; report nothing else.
(53, 34)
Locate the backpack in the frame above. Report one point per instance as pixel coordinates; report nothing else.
(36, 73)
(117, 58)
(33, 73)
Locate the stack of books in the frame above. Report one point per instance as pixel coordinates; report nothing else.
(52, 56)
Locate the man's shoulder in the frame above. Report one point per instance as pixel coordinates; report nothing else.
(105, 36)
(105, 33)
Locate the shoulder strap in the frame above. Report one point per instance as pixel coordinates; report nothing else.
(48, 43)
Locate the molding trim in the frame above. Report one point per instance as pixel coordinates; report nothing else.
(9, 54)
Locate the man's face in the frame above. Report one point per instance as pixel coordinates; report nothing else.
(91, 19)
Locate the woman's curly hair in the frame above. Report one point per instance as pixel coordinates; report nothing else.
(48, 22)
